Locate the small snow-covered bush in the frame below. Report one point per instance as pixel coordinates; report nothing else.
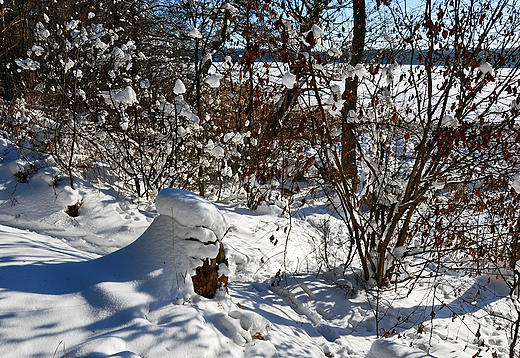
(199, 229)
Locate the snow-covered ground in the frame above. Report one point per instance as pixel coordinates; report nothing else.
(105, 284)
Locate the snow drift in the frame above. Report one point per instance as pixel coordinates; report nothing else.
(137, 301)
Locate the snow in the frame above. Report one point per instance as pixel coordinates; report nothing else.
(317, 31)
(388, 349)
(486, 68)
(449, 122)
(179, 87)
(125, 97)
(334, 52)
(515, 183)
(214, 80)
(195, 34)
(191, 210)
(289, 80)
(106, 283)
(28, 64)
(515, 104)
(228, 6)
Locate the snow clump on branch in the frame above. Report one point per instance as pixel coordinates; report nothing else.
(289, 80)
(179, 87)
(195, 34)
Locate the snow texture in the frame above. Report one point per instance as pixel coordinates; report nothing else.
(449, 122)
(214, 80)
(486, 68)
(388, 349)
(289, 80)
(515, 183)
(191, 210)
(195, 34)
(179, 87)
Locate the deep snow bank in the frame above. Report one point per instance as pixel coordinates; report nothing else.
(383, 348)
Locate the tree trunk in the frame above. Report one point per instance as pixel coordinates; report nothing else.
(348, 139)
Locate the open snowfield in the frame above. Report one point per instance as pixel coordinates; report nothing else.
(104, 284)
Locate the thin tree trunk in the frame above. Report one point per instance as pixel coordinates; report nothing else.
(348, 139)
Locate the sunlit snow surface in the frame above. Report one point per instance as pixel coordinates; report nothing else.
(104, 284)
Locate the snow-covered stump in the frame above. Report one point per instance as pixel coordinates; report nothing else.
(198, 228)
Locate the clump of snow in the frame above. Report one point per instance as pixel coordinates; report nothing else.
(214, 80)
(41, 31)
(335, 101)
(289, 80)
(191, 210)
(195, 33)
(232, 9)
(37, 50)
(334, 52)
(358, 71)
(317, 31)
(116, 98)
(439, 185)
(179, 87)
(387, 38)
(515, 183)
(399, 252)
(252, 322)
(449, 122)
(214, 149)
(207, 57)
(68, 197)
(126, 96)
(27, 64)
(486, 68)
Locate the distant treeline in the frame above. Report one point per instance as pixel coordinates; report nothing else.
(387, 57)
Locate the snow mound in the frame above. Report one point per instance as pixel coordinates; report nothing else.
(191, 210)
(252, 322)
(382, 348)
